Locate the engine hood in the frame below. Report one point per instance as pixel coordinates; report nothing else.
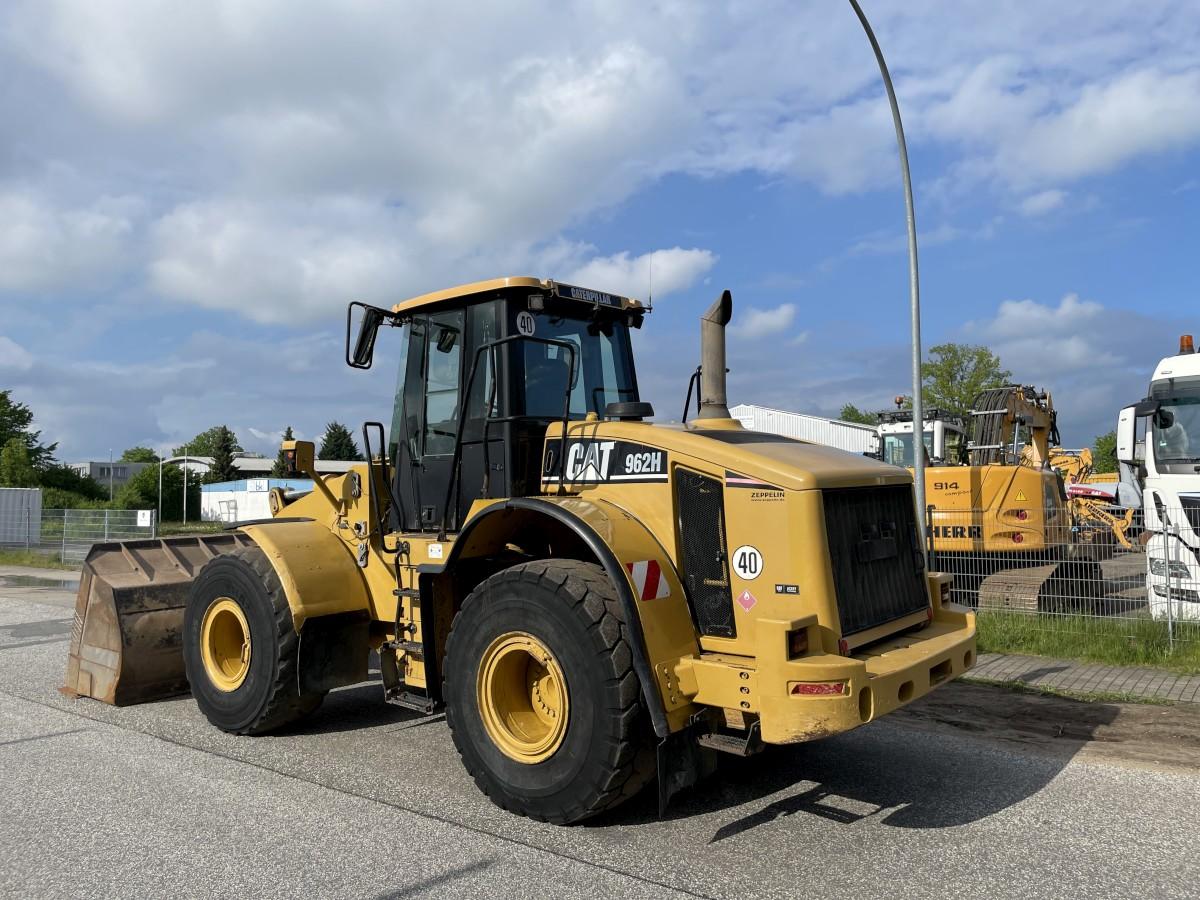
(775, 460)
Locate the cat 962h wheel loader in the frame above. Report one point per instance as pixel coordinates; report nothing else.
(592, 598)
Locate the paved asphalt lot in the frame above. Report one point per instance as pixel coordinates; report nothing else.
(369, 801)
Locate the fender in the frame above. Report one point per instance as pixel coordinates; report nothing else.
(319, 574)
(661, 629)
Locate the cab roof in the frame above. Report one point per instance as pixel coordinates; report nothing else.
(548, 286)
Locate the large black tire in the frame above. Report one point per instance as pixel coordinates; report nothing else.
(606, 754)
(268, 698)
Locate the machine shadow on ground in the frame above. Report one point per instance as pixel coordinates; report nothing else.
(878, 772)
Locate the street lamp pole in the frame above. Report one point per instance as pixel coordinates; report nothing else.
(914, 288)
(110, 474)
(185, 470)
(160, 465)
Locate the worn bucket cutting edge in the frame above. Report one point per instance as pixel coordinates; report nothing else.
(126, 640)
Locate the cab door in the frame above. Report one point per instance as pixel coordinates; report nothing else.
(427, 417)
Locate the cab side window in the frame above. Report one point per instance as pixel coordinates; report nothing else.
(443, 371)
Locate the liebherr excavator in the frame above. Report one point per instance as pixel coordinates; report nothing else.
(592, 598)
(1001, 522)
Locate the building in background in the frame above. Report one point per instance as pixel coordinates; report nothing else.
(831, 432)
(120, 470)
(244, 500)
(255, 466)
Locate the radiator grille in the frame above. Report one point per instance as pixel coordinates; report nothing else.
(699, 506)
(874, 549)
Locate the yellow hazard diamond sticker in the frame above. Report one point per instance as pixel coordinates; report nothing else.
(1021, 498)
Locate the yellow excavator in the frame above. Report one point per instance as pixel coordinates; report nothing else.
(1095, 516)
(592, 598)
(1001, 522)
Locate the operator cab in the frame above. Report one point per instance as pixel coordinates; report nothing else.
(515, 354)
(943, 436)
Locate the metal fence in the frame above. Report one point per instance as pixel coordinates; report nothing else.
(68, 534)
(1100, 579)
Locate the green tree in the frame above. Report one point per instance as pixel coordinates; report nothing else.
(205, 443)
(66, 479)
(139, 454)
(279, 470)
(1104, 452)
(953, 375)
(223, 468)
(141, 492)
(851, 413)
(16, 420)
(15, 468)
(338, 443)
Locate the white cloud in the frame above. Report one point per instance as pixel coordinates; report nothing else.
(13, 356)
(1043, 202)
(1140, 112)
(671, 270)
(759, 323)
(44, 245)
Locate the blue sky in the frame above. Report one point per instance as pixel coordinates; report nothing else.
(190, 194)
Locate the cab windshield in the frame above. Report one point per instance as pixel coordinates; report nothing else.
(603, 365)
(898, 449)
(1175, 428)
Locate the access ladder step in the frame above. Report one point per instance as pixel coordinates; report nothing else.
(736, 744)
(409, 700)
(410, 593)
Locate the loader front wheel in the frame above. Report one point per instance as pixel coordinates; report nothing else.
(541, 697)
(240, 648)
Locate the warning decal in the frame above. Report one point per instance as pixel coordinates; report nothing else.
(746, 601)
(648, 579)
(1021, 498)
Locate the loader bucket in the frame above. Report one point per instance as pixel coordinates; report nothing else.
(126, 640)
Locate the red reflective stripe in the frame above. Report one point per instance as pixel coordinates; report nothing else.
(653, 574)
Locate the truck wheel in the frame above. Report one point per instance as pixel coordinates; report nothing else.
(240, 647)
(541, 696)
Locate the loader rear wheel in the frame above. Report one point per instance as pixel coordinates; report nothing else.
(541, 697)
(240, 648)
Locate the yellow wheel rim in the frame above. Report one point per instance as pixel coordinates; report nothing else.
(522, 697)
(225, 644)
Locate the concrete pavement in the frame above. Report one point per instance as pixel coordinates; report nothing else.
(368, 800)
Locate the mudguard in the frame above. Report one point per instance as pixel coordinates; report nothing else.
(645, 578)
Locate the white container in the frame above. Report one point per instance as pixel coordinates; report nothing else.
(20, 517)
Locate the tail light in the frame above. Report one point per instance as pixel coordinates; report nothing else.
(1018, 538)
(817, 688)
(844, 647)
(1019, 514)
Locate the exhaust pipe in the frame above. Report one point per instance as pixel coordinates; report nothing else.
(714, 402)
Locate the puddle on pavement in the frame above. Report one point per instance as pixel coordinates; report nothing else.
(34, 581)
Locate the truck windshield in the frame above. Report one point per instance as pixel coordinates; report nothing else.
(898, 449)
(1175, 428)
(603, 366)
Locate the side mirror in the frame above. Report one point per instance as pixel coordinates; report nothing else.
(1145, 408)
(1127, 432)
(370, 319)
(299, 458)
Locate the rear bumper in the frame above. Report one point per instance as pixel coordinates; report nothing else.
(879, 679)
(882, 678)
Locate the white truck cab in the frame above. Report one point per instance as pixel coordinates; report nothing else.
(943, 436)
(1158, 449)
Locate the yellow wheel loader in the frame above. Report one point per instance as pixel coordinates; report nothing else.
(592, 598)
(1001, 523)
